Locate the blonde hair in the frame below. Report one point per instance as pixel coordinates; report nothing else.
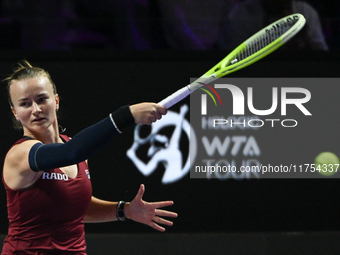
(23, 71)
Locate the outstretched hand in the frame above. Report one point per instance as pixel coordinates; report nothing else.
(146, 113)
(149, 213)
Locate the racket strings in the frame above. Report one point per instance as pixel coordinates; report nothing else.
(263, 40)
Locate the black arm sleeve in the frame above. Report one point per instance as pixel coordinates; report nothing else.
(82, 146)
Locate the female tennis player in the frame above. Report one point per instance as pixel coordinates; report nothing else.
(46, 177)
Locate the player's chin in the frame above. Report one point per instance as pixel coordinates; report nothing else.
(40, 126)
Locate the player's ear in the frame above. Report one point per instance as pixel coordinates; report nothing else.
(57, 100)
(14, 113)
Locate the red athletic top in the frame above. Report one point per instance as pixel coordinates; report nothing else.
(48, 217)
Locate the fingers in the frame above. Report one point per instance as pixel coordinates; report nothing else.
(156, 113)
(161, 204)
(149, 213)
(147, 113)
(164, 213)
(161, 110)
(162, 221)
(156, 226)
(140, 192)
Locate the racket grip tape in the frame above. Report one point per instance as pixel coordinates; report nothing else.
(175, 97)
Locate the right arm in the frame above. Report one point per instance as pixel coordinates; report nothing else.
(92, 139)
(25, 162)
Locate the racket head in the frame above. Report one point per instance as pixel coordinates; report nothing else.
(259, 45)
(253, 49)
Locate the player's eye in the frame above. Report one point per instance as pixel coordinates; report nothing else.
(24, 104)
(42, 99)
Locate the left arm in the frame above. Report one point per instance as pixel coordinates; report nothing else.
(138, 210)
(101, 211)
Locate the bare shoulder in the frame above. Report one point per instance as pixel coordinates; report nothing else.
(19, 152)
(17, 172)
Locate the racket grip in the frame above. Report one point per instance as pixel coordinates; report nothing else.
(175, 97)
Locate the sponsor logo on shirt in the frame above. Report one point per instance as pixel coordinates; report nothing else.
(54, 176)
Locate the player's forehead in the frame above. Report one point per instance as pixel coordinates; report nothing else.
(31, 86)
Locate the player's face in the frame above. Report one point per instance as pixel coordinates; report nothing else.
(34, 103)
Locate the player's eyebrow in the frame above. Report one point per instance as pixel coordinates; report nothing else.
(39, 95)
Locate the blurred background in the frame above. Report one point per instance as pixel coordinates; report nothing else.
(143, 24)
(104, 54)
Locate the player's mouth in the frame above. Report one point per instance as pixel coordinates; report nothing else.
(37, 120)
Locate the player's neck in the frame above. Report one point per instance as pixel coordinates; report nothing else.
(48, 136)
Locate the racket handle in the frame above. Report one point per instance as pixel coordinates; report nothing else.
(175, 97)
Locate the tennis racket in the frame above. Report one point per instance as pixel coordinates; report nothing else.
(253, 49)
